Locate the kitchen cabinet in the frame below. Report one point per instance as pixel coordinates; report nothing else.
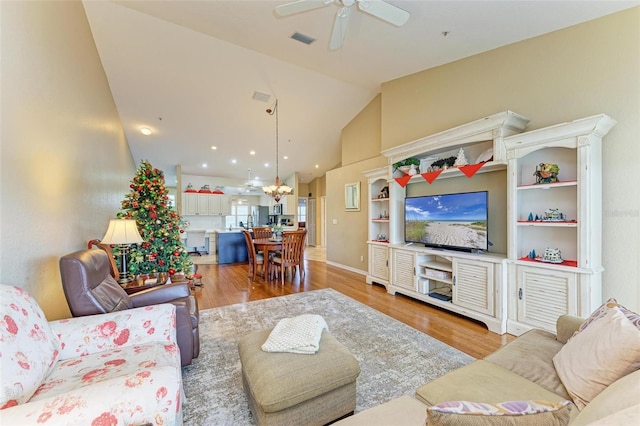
(194, 204)
(289, 205)
(219, 205)
(232, 247)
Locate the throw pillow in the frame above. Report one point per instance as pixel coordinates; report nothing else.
(598, 355)
(521, 413)
(29, 347)
(604, 308)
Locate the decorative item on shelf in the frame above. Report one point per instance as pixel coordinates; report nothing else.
(205, 189)
(552, 256)
(409, 166)
(123, 233)
(485, 156)
(217, 191)
(532, 254)
(381, 237)
(530, 218)
(546, 173)
(384, 192)
(553, 215)
(461, 159)
(276, 191)
(442, 164)
(190, 188)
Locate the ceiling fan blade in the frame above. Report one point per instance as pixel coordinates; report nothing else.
(339, 28)
(385, 11)
(300, 6)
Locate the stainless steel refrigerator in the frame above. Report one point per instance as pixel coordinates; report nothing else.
(259, 215)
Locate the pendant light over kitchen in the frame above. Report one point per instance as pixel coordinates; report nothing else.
(276, 191)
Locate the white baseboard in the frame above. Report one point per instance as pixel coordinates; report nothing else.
(348, 268)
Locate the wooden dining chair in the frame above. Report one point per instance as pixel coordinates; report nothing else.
(290, 256)
(255, 259)
(262, 232)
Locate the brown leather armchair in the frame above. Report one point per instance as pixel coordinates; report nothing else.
(90, 289)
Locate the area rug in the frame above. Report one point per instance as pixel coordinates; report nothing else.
(394, 358)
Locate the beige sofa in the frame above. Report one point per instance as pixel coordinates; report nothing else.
(522, 370)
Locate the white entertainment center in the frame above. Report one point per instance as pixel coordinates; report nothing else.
(517, 290)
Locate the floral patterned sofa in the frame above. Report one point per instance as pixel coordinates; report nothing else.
(120, 368)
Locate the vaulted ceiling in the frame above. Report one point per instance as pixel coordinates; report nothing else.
(188, 71)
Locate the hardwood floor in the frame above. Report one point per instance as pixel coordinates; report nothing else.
(229, 284)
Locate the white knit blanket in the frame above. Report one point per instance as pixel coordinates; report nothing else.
(298, 335)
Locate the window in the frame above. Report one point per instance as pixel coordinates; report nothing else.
(239, 213)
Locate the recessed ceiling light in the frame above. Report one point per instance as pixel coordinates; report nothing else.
(204, 165)
(145, 131)
(266, 164)
(317, 166)
(234, 161)
(286, 157)
(252, 152)
(214, 147)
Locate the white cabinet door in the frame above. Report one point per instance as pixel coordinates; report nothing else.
(473, 285)
(203, 204)
(403, 270)
(219, 205)
(225, 204)
(190, 204)
(544, 295)
(378, 262)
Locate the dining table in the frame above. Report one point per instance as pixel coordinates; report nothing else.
(266, 245)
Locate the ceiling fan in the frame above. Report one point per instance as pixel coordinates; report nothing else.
(378, 8)
(249, 186)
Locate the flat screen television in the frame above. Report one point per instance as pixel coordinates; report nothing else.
(449, 221)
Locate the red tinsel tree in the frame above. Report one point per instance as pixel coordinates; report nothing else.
(159, 225)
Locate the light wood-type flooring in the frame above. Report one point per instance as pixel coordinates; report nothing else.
(229, 284)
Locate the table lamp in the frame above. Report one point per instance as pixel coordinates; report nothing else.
(122, 232)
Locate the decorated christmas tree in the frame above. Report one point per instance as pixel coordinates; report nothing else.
(158, 224)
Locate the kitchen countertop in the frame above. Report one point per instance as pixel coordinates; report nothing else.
(236, 230)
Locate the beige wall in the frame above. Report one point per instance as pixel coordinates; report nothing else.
(65, 162)
(584, 70)
(361, 138)
(347, 238)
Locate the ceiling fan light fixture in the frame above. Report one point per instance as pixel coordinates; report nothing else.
(378, 8)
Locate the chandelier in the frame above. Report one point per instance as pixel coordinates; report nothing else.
(276, 191)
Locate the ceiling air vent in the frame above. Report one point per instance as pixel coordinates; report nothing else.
(303, 38)
(259, 96)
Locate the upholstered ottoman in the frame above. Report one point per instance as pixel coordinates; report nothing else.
(290, 389)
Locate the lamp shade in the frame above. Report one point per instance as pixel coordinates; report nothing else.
(122, 231)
